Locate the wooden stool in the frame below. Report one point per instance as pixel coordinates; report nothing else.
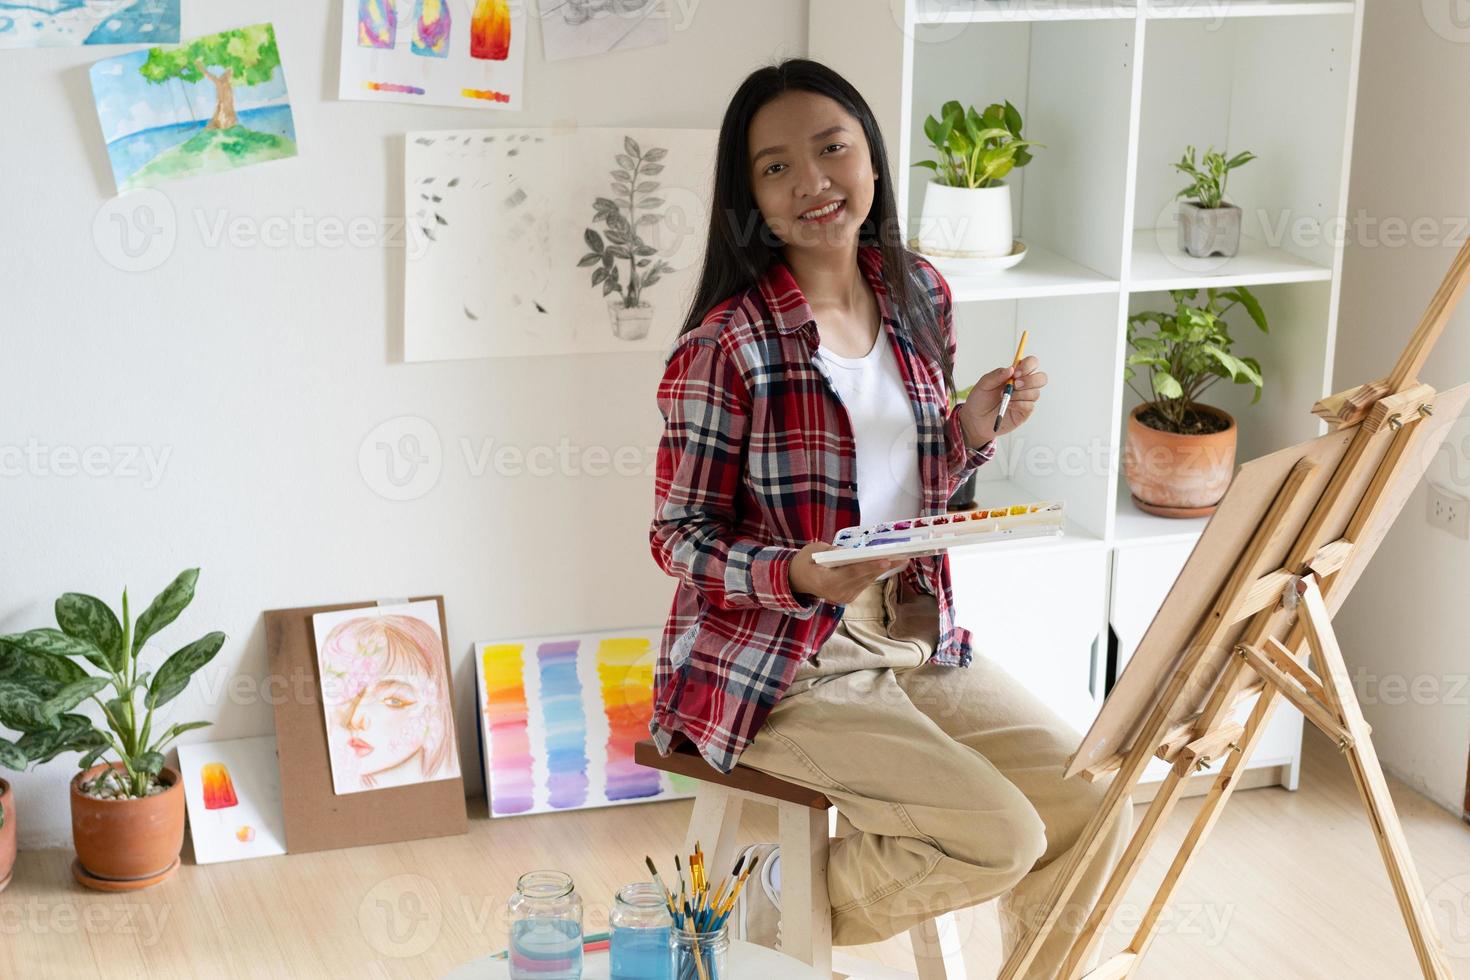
(806, 820)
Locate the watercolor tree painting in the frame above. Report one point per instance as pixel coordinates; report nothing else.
(214, 104)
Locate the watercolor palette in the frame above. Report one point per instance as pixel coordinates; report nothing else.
(931, 535)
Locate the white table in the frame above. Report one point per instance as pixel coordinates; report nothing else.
(746, 960)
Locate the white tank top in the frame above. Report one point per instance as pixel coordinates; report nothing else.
(883, 426)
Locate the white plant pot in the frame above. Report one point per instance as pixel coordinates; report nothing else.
(966, 222)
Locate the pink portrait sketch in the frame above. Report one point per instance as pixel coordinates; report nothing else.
(385, 693)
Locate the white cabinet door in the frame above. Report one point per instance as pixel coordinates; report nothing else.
(1143, 574)
(1039, 614)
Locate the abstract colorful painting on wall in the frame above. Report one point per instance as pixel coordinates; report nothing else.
(385, 693)
(559, 716)
(434, 52)
(55, 23)
(552, 241)
(232, 790)
(214, 104)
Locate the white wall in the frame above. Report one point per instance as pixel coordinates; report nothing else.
(256, 374)
(1407, 620)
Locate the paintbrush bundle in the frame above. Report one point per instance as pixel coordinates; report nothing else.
(700, 939)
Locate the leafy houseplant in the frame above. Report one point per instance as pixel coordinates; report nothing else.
(967, 204)
(1208, 224)
(633, 208)
(1180, 452)
(42, 679)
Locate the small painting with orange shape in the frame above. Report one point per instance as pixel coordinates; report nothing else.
(232, 790)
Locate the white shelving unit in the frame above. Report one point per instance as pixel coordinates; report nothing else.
(1115, 91)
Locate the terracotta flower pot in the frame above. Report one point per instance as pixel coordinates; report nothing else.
(7, 834)
(126, 844)
(1174, 475)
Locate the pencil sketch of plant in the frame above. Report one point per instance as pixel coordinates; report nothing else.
(635, 207)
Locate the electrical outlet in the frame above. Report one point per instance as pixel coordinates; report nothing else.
(1449, 511)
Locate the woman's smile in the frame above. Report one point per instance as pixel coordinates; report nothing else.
(825, 212)
(359, 746)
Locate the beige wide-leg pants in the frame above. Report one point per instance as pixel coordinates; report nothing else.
(950, 776)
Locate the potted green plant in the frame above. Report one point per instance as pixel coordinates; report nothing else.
(1208, 224)
(634, 207)
(127, 812)
(967, 203)
(1180, 453)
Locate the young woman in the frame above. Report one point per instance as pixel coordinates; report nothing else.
(808, 391)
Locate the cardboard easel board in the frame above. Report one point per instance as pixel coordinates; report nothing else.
(1220, 548)
(318, 819)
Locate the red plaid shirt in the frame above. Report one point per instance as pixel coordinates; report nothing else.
(757, 458)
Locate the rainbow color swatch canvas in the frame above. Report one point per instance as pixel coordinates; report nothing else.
(559, 716)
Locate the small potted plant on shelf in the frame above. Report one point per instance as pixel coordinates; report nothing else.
(967, 203)
(1208, 224)
(1180, 453)
(127, 812)
(634, 208)
(963, 497)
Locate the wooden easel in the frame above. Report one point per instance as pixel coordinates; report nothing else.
(1328, 502)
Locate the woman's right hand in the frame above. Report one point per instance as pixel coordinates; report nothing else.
(838, 584)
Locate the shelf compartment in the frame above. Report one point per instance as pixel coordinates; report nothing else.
(1276, 86)
(1215, 9)
(993, 11)
(1072, 83)
(1158, 264)
(1295, 378)
(1042, 273)
(1065, 450)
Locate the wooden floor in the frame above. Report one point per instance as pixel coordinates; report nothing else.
(1289, 885)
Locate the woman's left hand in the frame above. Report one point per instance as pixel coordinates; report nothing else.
(977, 412)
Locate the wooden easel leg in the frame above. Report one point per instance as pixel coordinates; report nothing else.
(1128, 866)
(1373, 788)
(1204, 821)
(1089, 842)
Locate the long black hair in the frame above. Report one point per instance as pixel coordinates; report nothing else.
(740, 244)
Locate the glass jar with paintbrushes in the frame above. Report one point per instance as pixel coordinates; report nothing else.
(699, 945)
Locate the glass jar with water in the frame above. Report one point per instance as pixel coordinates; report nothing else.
(640, 924)
(545, 927)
